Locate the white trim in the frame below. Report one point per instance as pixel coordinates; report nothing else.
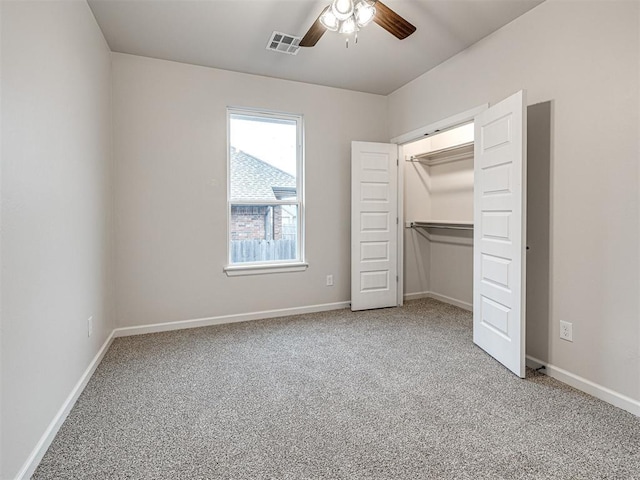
(603, 393)
(416, 296)
(264, 203)
(441, 125)
(223, 319)
(49, 434)
(452, 301)
(400, 254)
(298, 118)
(239, 270)
(442, 298)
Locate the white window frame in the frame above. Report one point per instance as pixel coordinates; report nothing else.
(280, 266)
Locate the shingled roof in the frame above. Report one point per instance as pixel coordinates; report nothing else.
(254, 179)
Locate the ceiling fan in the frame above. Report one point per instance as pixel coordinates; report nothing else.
(348, 16)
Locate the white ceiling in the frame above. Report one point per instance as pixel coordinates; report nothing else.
(233, 34)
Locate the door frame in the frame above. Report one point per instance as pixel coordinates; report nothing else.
(409, 137)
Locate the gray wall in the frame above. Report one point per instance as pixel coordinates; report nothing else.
(583, 57)
(57, 185)
(171, 162)
(56, 208)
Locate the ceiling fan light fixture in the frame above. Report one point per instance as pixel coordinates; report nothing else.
(342, 9)
(364, 12)
(348, 26)
(329, 20)
(349, 16)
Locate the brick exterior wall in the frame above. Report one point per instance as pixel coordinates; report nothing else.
(248, 222)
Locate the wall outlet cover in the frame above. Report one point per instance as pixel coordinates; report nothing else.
(566, 331)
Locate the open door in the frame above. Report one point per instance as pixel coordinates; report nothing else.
(374, 225)
(499, 263)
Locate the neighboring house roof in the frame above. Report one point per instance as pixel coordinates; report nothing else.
(254, 179)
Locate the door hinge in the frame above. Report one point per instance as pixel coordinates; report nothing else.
(397, 278)
(397, 221)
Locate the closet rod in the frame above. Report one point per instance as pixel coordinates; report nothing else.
(450, 150)
(448, 226)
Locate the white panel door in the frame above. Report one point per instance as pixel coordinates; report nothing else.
(374, 210)
(499, 264)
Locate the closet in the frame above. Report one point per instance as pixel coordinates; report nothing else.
(438, 213)
(441, 214)
(438, 217)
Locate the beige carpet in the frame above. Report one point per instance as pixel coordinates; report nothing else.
(393, 393)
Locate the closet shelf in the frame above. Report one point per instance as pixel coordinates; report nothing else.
(444, 155)
(444, 225)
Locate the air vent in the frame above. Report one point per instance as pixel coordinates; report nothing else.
(283, 43)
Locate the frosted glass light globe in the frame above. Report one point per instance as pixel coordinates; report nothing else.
(342, 9)
(364, 13)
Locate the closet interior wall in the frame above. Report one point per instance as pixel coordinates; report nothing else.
(439, 262)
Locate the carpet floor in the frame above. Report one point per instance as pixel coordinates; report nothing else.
(398, 393)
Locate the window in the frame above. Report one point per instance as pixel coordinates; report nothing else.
(265, 192)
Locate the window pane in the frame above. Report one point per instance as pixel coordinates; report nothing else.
(264, 233)
(263, 158)
(265, 187)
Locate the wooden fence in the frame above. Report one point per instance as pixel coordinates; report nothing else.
(243, 251)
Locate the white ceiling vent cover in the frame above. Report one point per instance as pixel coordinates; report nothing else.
(284, 43)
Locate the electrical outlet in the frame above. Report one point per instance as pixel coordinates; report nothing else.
(566, 330)
(90, 326)
(329, 280)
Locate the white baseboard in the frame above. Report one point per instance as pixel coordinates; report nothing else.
(45, 441)
(442, 298)
(452, 301)
(416, 295)
(603, 393)
(239, 317)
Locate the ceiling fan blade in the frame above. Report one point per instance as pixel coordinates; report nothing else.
(314, 33)
(392, 22)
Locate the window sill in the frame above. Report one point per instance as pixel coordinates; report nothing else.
(239, 270)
